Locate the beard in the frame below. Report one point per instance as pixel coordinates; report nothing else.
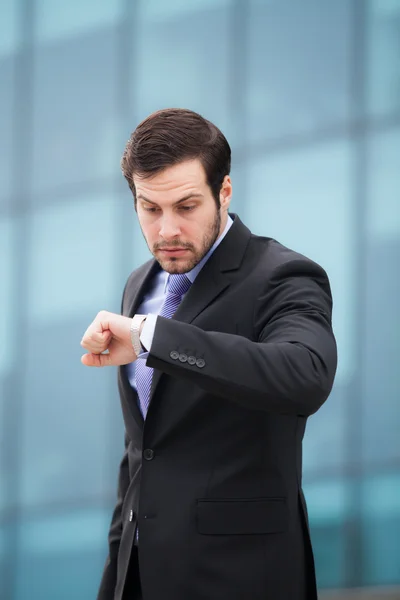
(176, 265)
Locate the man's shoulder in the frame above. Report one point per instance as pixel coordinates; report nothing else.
(275, 255)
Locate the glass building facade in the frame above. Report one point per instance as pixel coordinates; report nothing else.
(308, 94)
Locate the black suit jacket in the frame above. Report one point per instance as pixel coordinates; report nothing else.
(213, 476)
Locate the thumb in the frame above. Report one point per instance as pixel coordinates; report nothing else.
(96, 360)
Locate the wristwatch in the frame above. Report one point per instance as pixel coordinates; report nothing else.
(135, 333)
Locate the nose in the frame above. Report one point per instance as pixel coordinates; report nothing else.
(169, 228)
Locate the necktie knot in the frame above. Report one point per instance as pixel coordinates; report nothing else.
(178, 285)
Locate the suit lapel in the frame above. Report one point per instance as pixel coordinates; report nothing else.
(134, 294)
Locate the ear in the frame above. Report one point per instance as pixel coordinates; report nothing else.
(225, 194)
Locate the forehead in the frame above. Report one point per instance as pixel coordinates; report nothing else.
(183, 178)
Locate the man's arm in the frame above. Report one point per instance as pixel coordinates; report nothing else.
(109, 578)
(289, 369)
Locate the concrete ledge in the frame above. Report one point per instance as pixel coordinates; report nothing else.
(362, 594)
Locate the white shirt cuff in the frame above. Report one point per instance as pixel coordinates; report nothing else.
(146, 337)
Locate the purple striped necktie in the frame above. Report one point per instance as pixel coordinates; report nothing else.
(178, 285)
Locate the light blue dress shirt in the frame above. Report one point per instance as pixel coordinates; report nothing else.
(153, 300)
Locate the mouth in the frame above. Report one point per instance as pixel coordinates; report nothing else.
(173, 251)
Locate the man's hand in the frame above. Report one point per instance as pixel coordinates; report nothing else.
(108, 332)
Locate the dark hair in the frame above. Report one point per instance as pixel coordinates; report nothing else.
(170, 136)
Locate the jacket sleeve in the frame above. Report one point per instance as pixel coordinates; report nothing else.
(289, 364)
(109, 578)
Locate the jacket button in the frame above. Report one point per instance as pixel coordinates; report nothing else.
(200, 363)
(192, 360)
(148, 454)
(174, 355)
(183, 357)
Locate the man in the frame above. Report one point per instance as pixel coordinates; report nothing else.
(224, 348)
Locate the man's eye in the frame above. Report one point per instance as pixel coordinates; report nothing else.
(150, 209)
(187, 208)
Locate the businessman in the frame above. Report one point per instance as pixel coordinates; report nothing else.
(224, 348)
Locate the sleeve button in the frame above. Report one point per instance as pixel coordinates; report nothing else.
(200, 362)
(174, 355)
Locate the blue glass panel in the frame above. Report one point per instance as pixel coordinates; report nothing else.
(76, 135)
(381, 529)
(63, 576)
(383, 50)
(4, 561)
(182, 59)
(328, 506)
(55, 20)
(8, 27)
(62, 557)
(73, 250)
(67, 427)
(7, 273)
(7, 149)
(7, 343)
(297, 67)
(381, 376)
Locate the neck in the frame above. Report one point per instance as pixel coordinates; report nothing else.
(224, 219)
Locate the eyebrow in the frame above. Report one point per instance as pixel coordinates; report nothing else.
(188, 197)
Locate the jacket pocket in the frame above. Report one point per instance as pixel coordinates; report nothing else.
(241, 516)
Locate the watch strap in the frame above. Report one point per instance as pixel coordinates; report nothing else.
(135, 333)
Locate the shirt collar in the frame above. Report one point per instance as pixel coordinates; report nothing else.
(196, 270)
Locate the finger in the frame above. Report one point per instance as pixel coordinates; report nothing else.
(94, 334)
(97, 341)
(98, 325)
(117, 355)
(101, 337)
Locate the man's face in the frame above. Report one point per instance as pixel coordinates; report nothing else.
(178, 214)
